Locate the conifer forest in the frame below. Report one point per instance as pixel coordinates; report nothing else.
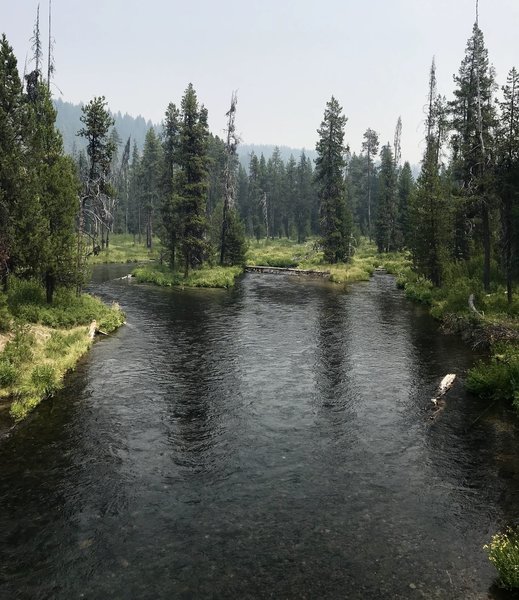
(238, 370)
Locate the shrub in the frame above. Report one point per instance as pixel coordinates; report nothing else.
(5, 315)
(9, 374)
(19, 348)
(503, 553)
(419, 290)
(498, 379)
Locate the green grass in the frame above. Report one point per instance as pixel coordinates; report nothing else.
(26, 301)
(207, 277)
(45, 341)
(498, 378)
(287, 253)
(279, 253)
(503, 553)
(124, 249)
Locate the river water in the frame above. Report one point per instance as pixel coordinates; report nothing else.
(272, 441)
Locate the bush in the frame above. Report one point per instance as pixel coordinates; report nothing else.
(19, 348)
(419, 290)
(5, 315)
(9, 374)
(498, 379)
(503, 553)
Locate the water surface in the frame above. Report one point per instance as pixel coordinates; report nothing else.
(272, 441)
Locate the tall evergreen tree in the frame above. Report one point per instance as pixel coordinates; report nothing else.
(508, 173)
(473, 121)
(370, 147)
(304, 199)
(170, 149)
(95, 204)
(386, 221)
(13, 175)
(55, 188)
(404, 192)
(428, 210)
(150, 183)
(192, 181)
(329, 176)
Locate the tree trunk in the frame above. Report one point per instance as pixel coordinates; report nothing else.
(508, 246)
(486, 246)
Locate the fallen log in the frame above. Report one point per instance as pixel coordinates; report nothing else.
(445, 385)
(285, 270)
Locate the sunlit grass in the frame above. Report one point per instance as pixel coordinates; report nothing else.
(124, 248)
(208, 277)
(45, 341)
(503, 553)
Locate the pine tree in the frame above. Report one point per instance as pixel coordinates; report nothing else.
(304, 199)
(95, 213)
(370, 147)
(429, 208)
(54, 204)
(170, 149)
(405, 190)
(386, 221)
(150, 183)
(508, 173)
(329, 175)
(12, 172)
(258, 216)
(473, 121)
(192, 181)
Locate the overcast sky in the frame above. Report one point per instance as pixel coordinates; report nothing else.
(285, 58)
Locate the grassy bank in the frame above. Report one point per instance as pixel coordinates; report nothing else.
(287, 253)
(40, 343)
(495, 326)
(124, 248)
(207, 277)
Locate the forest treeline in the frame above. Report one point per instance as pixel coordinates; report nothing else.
(187, 188)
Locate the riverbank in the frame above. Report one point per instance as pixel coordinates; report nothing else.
(40, 343)
(490, 323)
(282, 254)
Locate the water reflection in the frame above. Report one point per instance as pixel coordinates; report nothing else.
(272, 441)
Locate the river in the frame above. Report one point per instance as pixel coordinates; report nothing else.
(272, 441)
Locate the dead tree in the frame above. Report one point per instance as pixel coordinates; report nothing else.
(229, 175)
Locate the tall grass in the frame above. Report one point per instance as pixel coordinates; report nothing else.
(53, 354)
(46, 341)
(26, 300)
(208, 277)
(124, 248)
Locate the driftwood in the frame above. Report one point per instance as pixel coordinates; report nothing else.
(473, 308)
(445, 385)
(286, 271)
(92, 329)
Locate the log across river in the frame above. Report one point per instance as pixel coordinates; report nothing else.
(270, 441)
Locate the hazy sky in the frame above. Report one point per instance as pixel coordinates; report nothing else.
(285, 58)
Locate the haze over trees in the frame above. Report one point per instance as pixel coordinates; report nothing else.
(182, 187)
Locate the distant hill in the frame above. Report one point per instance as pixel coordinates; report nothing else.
(68, 122)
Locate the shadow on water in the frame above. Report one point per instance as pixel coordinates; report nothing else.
(272, 441)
